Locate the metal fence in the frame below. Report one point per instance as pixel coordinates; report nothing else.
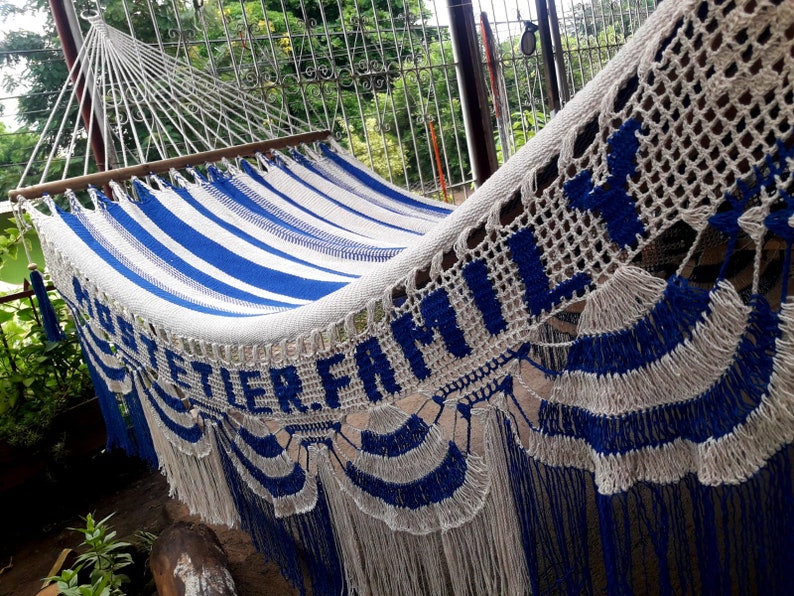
(584, 35)
(381, 74)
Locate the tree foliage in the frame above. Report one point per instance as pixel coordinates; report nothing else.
(15, 149)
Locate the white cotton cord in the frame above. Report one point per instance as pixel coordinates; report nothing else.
(486, 555)
(178, 179)
(621, 301)
(23, 227)
(211, 92)
(275, 467)
(678, 376)
(752, 222)
(730, 459)
(196, 479)
(415, 562)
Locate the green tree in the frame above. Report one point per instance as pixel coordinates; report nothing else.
(427, 89)
(15, 149)
(33, 62)
(594, 16)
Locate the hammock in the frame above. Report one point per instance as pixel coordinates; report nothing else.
(579, 381)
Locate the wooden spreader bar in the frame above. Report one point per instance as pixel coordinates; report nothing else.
(100, 179)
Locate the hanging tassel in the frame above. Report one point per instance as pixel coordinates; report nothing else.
(49, 319)
(118, 435)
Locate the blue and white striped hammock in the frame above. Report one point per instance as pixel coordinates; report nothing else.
(579, 381)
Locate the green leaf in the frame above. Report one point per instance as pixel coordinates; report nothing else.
(25, 314)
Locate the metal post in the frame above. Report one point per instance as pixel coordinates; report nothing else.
(71, 40)
(547, 53)
(471, 86)
(554, 28)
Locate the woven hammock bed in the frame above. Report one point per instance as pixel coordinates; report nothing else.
(579, 381)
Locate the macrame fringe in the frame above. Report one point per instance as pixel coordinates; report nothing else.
(552, 510)
(253, 468)
(139, 426)
(484, 556)
(49, 319)
(281, 540)
(376, 559)
(508, 572)
(196, 480)
(118, 435)
(479, 557)
(666, 539)
(620, 302)
(727, 539)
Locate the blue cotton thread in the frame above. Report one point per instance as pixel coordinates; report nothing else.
(257, 517)
(482, 290)
(611, 200)
(537, 295)
(434, 487)
(372, 365)
(277, 486)
(410, 435)
(287, 386)
(266, 446)
(49, 319)
(332, 385)
(115, 425)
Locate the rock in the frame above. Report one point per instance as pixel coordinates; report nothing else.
(187, 560)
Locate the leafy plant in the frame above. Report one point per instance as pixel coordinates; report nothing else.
(38, 378)
(103, 560)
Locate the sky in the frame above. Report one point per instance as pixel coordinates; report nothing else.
(30, 22)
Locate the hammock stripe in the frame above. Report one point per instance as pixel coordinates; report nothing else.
(171, 273)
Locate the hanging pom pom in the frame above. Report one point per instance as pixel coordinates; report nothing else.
(48, 317)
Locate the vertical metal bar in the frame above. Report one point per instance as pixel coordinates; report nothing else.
(554, 29)
(471, 83)
(547, 52)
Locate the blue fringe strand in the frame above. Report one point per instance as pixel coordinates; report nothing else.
(301, 545)
(681, 538)
(49, 319)
(115, 425)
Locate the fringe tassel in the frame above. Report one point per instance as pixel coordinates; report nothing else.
(49, 319)
(481, 556)
(144, 447)
(270, 536)
(316, 535)
(376, 559)
(552, 505)
(280, 540)
(118, 435)
(484, 556)
(678, 538)
(196, 480)
(507, 570)
(690, 538)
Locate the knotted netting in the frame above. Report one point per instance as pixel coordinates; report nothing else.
(578, 381)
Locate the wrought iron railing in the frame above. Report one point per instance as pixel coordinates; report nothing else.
(380, 74)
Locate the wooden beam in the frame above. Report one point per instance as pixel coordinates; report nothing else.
(164, 165)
